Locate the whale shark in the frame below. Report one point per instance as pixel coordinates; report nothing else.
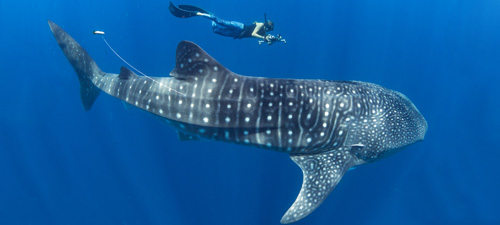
(326, 127)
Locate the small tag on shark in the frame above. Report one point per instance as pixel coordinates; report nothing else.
(322, 172)
(192, 61)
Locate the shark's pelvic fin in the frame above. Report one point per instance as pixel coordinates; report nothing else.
(187, 137)
(191, 61)
(84, 65)
(322, 172)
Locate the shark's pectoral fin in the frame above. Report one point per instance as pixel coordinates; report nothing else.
(321, 172)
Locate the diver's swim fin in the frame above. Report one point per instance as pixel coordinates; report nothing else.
(185, 11)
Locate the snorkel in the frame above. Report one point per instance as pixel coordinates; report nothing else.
(268, 24)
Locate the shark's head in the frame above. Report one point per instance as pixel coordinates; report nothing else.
(405, 125)
(413, 125)
(395, 124)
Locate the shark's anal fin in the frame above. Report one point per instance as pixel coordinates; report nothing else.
(322, 172)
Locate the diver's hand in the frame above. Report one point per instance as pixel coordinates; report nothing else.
(270, 38)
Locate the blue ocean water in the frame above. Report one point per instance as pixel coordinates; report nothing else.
(61, 165)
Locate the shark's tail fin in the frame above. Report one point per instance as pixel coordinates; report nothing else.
(84, 65)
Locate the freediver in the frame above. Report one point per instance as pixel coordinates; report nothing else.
(227, 28)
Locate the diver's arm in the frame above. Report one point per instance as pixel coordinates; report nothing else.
(255, 31)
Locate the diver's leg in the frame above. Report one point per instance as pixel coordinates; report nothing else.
(227, 23)
(222, 30)
(224, 27)
(222, 22)
(232, 30)
(206, 15)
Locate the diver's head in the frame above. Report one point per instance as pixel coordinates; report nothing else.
(269, 25)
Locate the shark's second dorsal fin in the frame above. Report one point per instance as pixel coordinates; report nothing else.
(192, 61)
(322, 172)
(126, 74)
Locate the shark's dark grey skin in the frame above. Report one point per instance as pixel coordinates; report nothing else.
(327, 127)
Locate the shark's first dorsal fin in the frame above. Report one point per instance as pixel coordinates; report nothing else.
(322, 172)
(126, 74)
(192, 61)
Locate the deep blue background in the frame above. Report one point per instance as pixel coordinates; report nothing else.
(61, 165)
